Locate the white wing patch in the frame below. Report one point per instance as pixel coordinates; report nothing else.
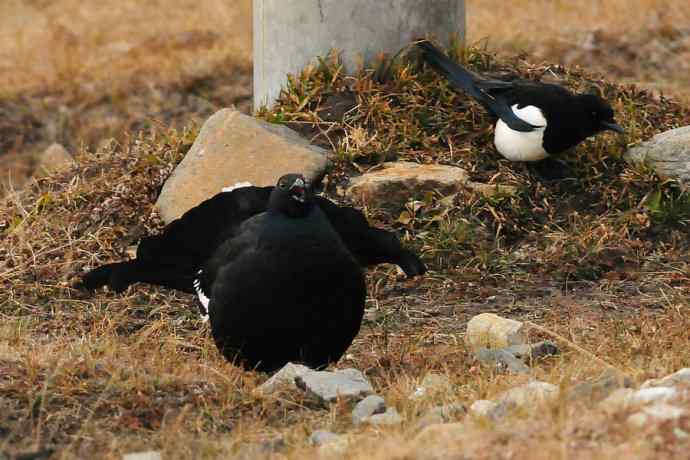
(519, 146)
(236, 186)
(202, 298)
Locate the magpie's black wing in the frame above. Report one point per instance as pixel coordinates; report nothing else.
(369, 245)
(481, 90)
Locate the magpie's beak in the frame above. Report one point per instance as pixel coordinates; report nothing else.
(298, 190)
(612, 126)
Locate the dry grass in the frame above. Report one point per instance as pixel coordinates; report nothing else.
(99, 376)
(601, 261)
(638, 41)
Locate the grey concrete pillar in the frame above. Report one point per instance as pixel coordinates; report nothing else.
(288, 34)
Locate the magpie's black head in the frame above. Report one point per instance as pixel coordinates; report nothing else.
(599, 114)
(291, 196)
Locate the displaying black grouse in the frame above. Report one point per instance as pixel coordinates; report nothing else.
(535, 120)
(281, 267)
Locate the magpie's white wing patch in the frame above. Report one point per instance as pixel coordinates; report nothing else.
(519, 146)
(203, 299)
(236, 186)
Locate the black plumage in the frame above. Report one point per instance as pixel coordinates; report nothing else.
(282, 270)
(564, 118)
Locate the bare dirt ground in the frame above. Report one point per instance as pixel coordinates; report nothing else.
(602, 262)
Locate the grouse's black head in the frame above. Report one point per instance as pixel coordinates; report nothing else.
(599, 114)
(291, 196)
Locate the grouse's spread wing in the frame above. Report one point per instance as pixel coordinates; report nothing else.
(191, 239)
(369, 245)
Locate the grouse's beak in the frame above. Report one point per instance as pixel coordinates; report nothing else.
(612, 126)
(298, 190)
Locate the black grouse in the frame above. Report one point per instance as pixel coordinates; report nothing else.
(535, 119)
(281, 267)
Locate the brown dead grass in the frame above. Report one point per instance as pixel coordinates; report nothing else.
(637, 41)
(70, 43)
(100, 376)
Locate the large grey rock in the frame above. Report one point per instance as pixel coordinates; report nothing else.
(372, 404)
(682, 376)
(284, 378)
(232, 148)
(327, 387)
(668, 153)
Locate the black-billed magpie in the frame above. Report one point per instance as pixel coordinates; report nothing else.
(535, 119)
(277, 267)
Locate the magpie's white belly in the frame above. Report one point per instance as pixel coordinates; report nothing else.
(519, 146)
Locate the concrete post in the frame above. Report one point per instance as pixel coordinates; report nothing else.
(288, 34)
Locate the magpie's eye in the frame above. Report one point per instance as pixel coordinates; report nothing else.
(282, 185)
(595, 115)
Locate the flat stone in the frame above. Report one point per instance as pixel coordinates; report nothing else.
(327, 387)
(55, 158)
(432, 384)
(283, 379)
(148, 455)
(321, 437)
(488, 330)
(390, 417)
(232, 148)
(668, 153)
(396, 182)
(372, 404)
(682, 376)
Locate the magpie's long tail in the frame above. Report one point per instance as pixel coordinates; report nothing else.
(459, 77)
(118, 276)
